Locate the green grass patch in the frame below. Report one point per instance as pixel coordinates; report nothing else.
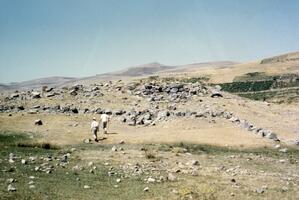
(219, 150)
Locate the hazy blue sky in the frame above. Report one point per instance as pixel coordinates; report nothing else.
(40, 38)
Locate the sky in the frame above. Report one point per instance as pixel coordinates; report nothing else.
(77, 38)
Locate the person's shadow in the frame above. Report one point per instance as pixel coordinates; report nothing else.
(111, 133)
(102, 138)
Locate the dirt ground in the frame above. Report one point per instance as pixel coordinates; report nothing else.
(63, 129)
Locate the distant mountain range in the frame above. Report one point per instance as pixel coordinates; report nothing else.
(149, 69)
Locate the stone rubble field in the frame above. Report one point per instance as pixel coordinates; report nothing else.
(167, 139)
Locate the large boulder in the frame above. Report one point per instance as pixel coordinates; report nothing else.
(216, 93)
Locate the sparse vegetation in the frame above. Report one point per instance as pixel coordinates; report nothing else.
(208, 184)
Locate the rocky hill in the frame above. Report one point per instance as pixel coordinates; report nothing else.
(282, 58)
(37, 83)
(142, 70)
(131, 72)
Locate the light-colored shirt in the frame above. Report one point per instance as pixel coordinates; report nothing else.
(94, 124)
(104, 118)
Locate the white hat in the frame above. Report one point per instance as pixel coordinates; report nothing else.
(94, 118)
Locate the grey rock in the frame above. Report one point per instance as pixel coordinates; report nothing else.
(86, 187)
(24, 162)
(194, 162)
(284, 189)
(11, 188)
(87, 141)
(151, 180)
(21, 108)
(73, 92)
(32, 111)
(174, 90)
(14, 95)
(122, 142)
(114, 148)
(171, 177)
(32, 187)
(283, 150)
(271, 136)
(50, 95)
(217, 87)
(74, 110)
(216, 93)
(35, 95)
(38, 122)
(119, 112)
(260, 190)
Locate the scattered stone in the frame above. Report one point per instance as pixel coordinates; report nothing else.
(271, 136)
(21, 108)
(31, 187)
(14, 95)
(87, 141)
(11, 180)
(122, 142)
(24, 162)
(175, 191)
(171, 177)
(216, 93)
(77, 168)
(38, 122)
(32, 158)
(114, 148)
(118, 180)
(86, 187)
(195, 162)
(35, 95)
(151, 180)
(260, 190)
(282, 161)
(73, 93)
(11, 188)
(284, 189)
(90, 164)
(32, 111)
(146, 189)
(283, 150)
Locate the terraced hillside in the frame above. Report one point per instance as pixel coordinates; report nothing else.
(260, 86)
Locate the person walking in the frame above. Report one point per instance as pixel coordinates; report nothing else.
(105, 120)
(94, 129)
